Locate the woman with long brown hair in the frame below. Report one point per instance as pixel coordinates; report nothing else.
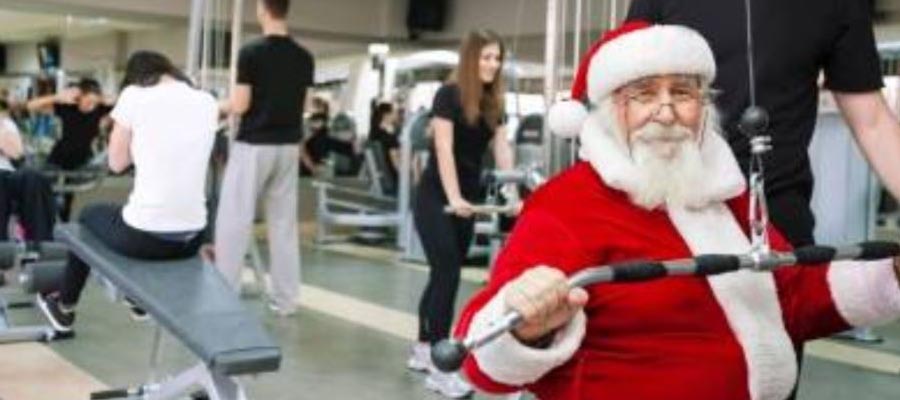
(467, 116)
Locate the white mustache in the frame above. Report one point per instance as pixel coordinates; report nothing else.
(655, 131)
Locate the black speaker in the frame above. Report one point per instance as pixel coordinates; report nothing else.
(2, 58)
(426, 15)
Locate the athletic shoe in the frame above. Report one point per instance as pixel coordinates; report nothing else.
(420, 358)
(60, 319)
(448, 384)
(281, 311)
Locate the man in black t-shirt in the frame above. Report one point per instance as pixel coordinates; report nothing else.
(794, 42)
(274, 73)
(81, 111)
(82, 114)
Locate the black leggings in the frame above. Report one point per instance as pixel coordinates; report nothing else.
(105, 221)
(28, 194)
(446, 240)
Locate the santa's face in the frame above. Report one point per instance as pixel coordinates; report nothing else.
(659, 123)
(660, 113)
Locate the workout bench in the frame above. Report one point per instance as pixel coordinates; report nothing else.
(195, 305)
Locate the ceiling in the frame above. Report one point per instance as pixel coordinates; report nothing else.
(333, 34)
(18, 26)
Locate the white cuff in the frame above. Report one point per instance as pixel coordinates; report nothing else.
(508, 361)
(865, 293)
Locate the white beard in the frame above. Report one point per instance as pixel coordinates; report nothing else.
(670, 172)
(655, 173)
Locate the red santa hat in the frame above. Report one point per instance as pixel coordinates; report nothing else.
(635, 50)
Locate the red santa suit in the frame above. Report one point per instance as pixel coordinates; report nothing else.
(725, 337)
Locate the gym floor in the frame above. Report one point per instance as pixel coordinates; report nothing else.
(348, 341)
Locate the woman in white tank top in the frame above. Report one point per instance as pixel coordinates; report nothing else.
(164, 128)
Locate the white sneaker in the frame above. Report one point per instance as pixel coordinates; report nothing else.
(448, 384)
(420, 358)
(281, 311)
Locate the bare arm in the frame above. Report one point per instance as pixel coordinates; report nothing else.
(505, 160)
(41, 103)
(395, 158)
(305, 158)
(10, 143)
(503, 154)
(239, 102)
(443, 147)
(897, 267)
(877, 131)
(119, 157)
(67, 96)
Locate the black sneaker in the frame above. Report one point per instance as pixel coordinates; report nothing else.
(137, 313)
(60, 320)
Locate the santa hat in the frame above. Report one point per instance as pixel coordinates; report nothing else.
(635, 50)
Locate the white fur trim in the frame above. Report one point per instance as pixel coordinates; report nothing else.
(566, 118)
(609, 157)
(749, 300)
(657, 50)
(508, 361)
(866, 293)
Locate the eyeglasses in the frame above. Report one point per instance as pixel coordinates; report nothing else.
(649, 96)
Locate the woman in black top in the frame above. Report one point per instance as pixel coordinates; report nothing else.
(467, 116)
(383, 131)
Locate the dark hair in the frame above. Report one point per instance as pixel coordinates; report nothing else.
(88, 85)
(145, 68)
(381, 109)
(478, 99)
(278, 9)
(321, 105)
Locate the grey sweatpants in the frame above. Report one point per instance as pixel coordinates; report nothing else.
(265, 173)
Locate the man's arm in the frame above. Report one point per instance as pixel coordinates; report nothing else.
(67, 96)
(239, 102)
(877, 132)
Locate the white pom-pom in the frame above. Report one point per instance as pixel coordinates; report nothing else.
(566, 118)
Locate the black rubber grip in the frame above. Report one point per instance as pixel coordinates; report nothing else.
(711, 264)
(113, 394)
(878, 250)
(814, 254)
(638, 271)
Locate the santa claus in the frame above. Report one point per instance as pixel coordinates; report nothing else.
(656, 181)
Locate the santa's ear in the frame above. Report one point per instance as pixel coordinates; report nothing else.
(566, 118)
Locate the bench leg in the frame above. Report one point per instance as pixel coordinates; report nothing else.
(218, 387)
(13, 334)
(26, 334)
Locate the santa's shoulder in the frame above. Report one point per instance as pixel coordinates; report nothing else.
(574, 188)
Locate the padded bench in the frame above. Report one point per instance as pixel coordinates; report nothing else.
(191, 301)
